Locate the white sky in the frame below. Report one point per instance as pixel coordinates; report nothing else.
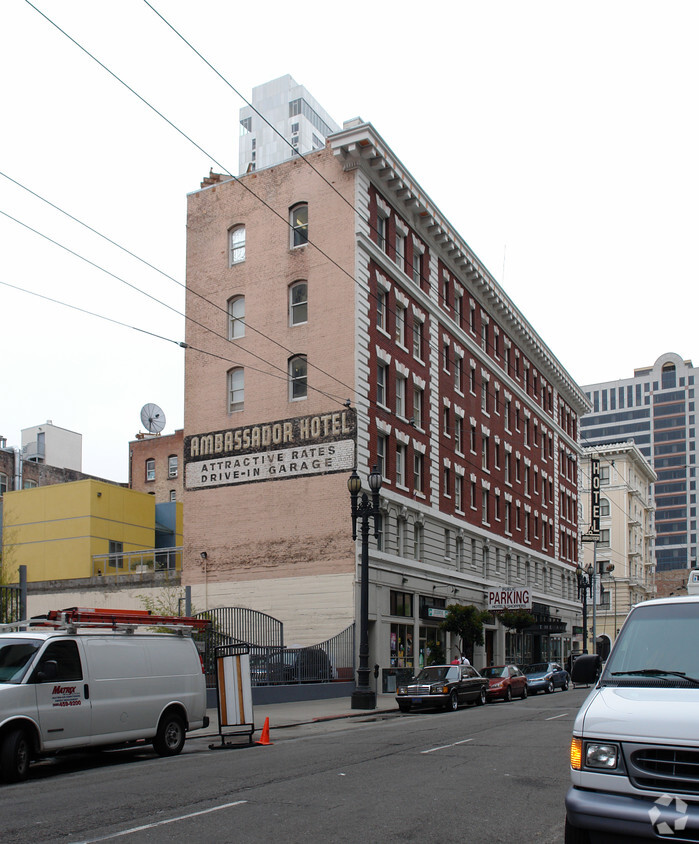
(559, 138)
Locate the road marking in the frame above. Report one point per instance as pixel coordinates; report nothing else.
(445, 746)
(162, 823)
(553, 717)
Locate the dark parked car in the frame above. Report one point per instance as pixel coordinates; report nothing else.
(304, 665)
(545, 677)
(445, 686)
(505, 681)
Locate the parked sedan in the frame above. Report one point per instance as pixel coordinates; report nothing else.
(445, 686)
(545, 677)
(505, 682)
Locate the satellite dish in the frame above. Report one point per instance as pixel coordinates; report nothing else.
(152, 418)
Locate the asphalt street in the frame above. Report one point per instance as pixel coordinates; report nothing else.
(494, 773)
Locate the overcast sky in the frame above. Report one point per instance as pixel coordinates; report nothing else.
(559, 138)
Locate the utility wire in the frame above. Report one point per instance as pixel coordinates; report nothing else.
(166, 275)
(160, 302)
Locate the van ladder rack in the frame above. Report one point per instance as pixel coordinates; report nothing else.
(74, 617)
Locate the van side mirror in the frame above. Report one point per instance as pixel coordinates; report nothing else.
(48, 671)
(586, 669)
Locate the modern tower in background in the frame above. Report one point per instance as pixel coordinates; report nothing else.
(299, 118)
(656, 410)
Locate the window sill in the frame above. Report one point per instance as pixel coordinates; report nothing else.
(383, 331)
(418, 494)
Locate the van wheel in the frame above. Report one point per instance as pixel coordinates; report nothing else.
(169, 739)
(15, 755)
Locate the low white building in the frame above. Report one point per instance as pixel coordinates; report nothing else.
(623, 557)
(52, 445)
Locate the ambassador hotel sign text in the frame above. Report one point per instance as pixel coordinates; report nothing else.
(289, 448)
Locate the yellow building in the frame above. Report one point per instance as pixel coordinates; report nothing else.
(56, 531)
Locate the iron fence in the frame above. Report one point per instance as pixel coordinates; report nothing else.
(10, 604)
(326, 662)
(270, 662)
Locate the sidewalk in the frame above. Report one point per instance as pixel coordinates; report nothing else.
(304, 712)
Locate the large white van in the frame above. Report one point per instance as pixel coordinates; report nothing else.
(635, 748)
(65, 689)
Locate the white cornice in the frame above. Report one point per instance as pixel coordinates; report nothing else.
(362, 146)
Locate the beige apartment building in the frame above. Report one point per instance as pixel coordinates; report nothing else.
(336, 319)
(624, 554)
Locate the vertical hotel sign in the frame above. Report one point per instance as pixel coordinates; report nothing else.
(287, 448)
(594, 495)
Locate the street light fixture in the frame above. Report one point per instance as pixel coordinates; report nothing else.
(364, 697)
(584, 576)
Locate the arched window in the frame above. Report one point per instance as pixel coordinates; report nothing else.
(236, 317)
(298, 303)
(236, 245)
(236, 389)
(604, 506)
(298, 380)
(669, 376)
(299, 224)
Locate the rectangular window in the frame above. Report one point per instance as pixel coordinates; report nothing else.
(484, 396)
(446, 482)
(401, 603)
(417, 265)
(381, 391)
(417, 471)
(458, 373)
(172, 466)
(458, 491)
(381, 308)
(400, 396)
(417, 407)
(485, 443)
(382, 233)
(400, 464)
(400, 250)
(150, 470)
(446, 426)
(400, 325)
(417, 338)
(485, 515)
(381, 454)
(458, 433)
(473, 439)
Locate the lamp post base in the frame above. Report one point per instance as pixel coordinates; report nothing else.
(363, 699)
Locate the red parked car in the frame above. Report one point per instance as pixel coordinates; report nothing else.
(505, 681)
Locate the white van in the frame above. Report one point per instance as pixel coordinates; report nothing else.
(635, 749)
(66, 689)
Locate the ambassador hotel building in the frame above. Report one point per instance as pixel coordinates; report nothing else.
(336, 318)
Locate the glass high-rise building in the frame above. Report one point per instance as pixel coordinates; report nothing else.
(656, 410)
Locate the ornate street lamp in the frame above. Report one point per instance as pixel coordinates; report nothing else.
(364, 697)
(584, 576)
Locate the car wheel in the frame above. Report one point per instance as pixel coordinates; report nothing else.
(453, 702)
(15, 756)
(549, 687)
(169, 740)
(508, 695)
(524, 692)
(574, 835)
(564, 687)
(481, 697)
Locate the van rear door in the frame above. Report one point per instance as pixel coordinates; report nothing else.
(62, 695)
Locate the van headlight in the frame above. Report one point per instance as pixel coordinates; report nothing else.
(598, 755)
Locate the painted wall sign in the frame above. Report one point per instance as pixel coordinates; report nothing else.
(289, 448)
(509, 599)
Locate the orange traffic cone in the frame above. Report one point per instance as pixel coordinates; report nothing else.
(264, 740)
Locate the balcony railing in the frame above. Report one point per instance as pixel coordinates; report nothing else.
(143, 562)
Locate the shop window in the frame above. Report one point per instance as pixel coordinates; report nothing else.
(401, 603)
